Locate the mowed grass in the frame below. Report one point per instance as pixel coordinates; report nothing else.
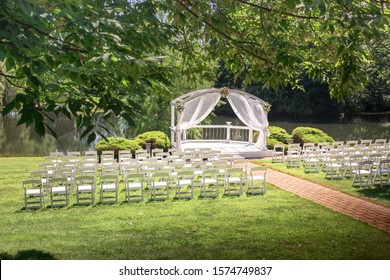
(376, 193)
(277, 225)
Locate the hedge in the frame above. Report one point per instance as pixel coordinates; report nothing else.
(116, 144)
(278, 135)
(310, 135)
(159, 139)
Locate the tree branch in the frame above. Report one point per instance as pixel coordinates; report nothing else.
(76, 47)
(238, 43)
(276, 11)
(7, 76)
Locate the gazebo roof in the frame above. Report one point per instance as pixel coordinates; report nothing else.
(191, 95)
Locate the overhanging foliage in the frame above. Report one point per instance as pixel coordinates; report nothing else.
(83, 57)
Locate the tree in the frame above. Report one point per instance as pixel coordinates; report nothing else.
(274, 41)
(82, 57)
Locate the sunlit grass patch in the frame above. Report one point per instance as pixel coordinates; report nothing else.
(277, 225)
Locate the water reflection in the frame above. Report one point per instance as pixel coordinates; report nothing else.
(344, 128)
(341, 129)
(22, 140)
(19, 140)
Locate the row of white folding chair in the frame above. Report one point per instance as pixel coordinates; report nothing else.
(197, 167)
(160, 183)
(70, 173)
(73, 153)
(58, 188)
(366, 174)
(382, 173)
(319, 157)
(69, 160)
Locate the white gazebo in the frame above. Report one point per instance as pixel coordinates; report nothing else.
(188, 110)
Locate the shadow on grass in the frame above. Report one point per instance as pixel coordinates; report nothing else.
(376, 192)
(27, 255)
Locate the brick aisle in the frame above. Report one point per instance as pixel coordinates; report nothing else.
(371, 213)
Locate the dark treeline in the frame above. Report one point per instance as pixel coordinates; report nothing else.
(313, 98)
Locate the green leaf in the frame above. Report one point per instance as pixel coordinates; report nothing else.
(35, 81)
(331, 28)
(52, 132)
(9, 107)
(25, 117)
(322, 7)
(40, 129)
(86, 131)
(2, 54)
(91, 137)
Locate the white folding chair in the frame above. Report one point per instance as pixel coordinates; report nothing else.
(108, 162)
(90, 153)
(278, 153)
(157, 151)
(109, 188)
(91, 170)
(257, 180)
(382, 173)
(293, 156)
(185, 184)
(174, 168)
(85, 189)
(43, 176)
(234, 181)
(351, 163)
(122, 154)
(60, 190)
(134, 187)
(334, 167)
(198, 168)
(34, 192)
(108, 154)
(110, 170)
(363, 176)
(312, 160)
(68, 173)
(210, 187)
(160, 182)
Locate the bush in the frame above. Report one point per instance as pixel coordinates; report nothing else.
(116, 144)
(159, 139)
(277, 136)
(272, 142)
(309, 134)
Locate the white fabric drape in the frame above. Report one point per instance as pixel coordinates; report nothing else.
(196, 110)
(251, 113)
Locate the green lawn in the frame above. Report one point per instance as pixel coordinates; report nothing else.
(376, 194)
(278, 225)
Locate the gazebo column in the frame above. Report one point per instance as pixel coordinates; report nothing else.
(178, 139)
(172, 123)
(263, 135)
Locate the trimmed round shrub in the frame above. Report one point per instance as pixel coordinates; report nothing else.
(310, 135)
(116, 144)
(158, 138)
(272, 142)
(278, 135)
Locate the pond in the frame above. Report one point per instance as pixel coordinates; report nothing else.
(19, 140)
(340, 129)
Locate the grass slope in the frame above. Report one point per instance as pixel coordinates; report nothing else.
(376, 194)
(278, 225)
